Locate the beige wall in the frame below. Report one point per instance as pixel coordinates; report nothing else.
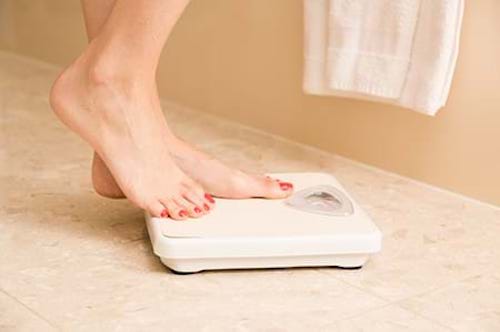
(243, 60)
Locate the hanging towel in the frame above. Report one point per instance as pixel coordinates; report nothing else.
(397, 51)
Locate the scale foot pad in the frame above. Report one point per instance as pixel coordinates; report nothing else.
(183, 273)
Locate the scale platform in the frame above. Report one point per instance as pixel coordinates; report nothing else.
(320, 225)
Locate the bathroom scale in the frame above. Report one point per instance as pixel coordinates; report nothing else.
(319, 225)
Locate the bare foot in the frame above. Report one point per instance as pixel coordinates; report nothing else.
(223, 181)
(121, 119)
(215, 177)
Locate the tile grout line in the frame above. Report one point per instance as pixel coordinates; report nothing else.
(387, 303)
(356, 287)
(399, 301)
(426, 292)
(425, 317)
(483, 272)
(29, 309)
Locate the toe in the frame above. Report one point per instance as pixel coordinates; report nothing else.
(175, 211)
(273, 188)
(209, 202)
(200, 207)
(247, 186)
(197, 195)
(157, 209)
(193, 211)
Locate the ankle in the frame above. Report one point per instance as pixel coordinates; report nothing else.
(106, 66)
(102, 76)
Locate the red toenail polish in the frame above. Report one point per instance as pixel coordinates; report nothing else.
(286, 186)
(206, 207)
(197, 210)
(209, 198)
(183, 213)
(164, 213)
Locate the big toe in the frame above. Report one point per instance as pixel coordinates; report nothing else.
(267, 187)
(279, 189)
(174, 210)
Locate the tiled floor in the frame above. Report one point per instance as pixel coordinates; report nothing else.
(72, 261)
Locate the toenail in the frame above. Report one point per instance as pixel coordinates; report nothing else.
(197, 210)
(206, 207)
(286, 186)
(209, 198)
(164, 213)
(183, 213)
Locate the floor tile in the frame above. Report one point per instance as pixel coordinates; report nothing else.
(469, 305)
(15, 317)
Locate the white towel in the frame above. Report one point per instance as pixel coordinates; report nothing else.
(397, 51)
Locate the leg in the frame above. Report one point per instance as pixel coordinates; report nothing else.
(96, 13)
(216, 178)
(108, 96)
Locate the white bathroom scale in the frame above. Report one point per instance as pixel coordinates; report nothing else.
(319, 225)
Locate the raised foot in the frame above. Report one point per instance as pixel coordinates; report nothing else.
(122, 121)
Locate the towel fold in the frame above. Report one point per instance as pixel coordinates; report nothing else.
(402, 52)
